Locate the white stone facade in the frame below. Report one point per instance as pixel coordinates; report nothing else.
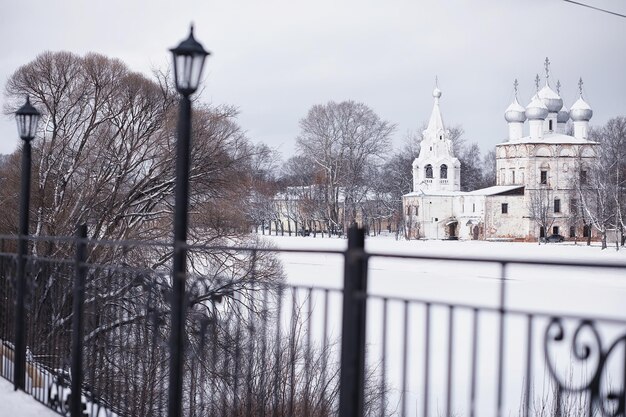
(545, 162)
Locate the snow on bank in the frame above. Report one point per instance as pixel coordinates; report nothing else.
(18, 403)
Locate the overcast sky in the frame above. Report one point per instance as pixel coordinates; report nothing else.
(275, 59)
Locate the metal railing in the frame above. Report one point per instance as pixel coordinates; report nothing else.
(97, 322)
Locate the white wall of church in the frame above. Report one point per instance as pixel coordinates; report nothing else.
(506, 217)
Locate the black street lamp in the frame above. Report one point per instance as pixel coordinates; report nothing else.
(189, 58)
(27, 118)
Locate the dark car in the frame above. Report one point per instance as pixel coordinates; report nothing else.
(555, 239)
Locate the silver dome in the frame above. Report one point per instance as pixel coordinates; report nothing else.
(551, 99)
(536, 110)
(581, 111)
(515, 113)
(563, 115)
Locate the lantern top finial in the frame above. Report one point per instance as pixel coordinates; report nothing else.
(190, 46)
(27, 109)
(189, 58)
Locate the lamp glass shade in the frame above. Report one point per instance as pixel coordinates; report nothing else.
(27, 118)
(189, 58)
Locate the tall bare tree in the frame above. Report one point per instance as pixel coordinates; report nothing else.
(602, 187)
(345, 140)
(105, 156)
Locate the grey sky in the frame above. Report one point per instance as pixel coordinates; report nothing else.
(275, 59)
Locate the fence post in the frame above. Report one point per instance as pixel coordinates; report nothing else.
(77, 321)
(352, 378)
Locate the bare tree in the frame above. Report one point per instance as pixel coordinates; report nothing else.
(601, 186)
(344, 140)
(105, 156)
(489, 169)
(540, 210)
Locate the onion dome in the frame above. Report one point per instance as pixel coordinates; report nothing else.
(437, 93)
(550, 98)
(563, 115)
(515, 113)
(536, 110)
(581, 111)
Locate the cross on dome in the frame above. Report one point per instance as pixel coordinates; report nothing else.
(515, 86)
(537, 79)
(558, 87)
(580, 86)
(546, 65)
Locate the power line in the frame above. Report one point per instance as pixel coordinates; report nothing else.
(595, 8)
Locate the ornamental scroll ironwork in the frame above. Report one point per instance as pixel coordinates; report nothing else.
(605, 396)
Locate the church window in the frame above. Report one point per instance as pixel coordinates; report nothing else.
(550, 125)
(505, 208)
(586, 231)
(429, 171)
(502, 176)
(408, 210)
(542, 231)
(440, 137)
(572, 231)
(443, 171)
(473, 207)
(573, 206)
(583, 177)
(557, 205)
(555, 230)
(512, 176)
(544, 178)
(417, 210)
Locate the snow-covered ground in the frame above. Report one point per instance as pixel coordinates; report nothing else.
(577, 291)
(17, 403)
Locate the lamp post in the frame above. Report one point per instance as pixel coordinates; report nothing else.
(27, 118)
(189, 58)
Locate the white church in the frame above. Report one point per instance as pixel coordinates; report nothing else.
(537, 165)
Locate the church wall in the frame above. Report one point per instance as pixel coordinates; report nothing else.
(514, 224)
(432, 213)
(436, 212)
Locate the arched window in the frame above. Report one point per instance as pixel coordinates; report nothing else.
(429, 171)
(443, 171)
(550, 125)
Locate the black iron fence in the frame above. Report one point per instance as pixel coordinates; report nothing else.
(97, 321)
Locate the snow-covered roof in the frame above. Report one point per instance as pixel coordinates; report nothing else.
(441, 193)
(581, 104)
(551, 138)
(515, 106)
(547, 92)
(496, 189)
